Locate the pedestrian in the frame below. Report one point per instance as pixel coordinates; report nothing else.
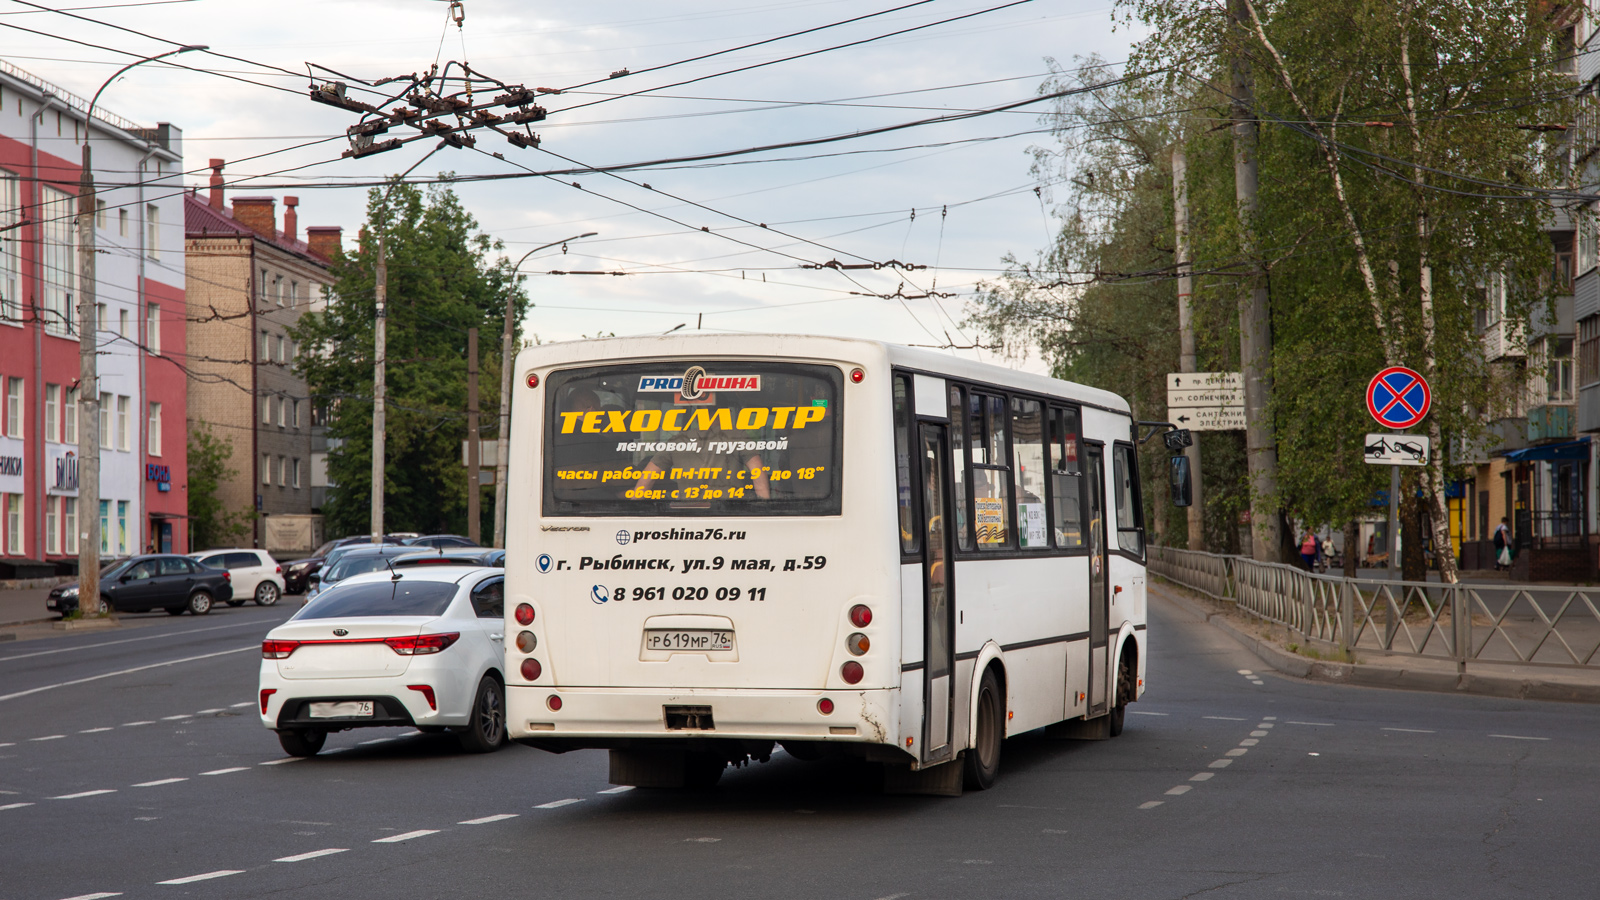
(1308, 550)
(1502, 546)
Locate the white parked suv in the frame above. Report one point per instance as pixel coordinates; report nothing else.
(420, 645)
(255, 574)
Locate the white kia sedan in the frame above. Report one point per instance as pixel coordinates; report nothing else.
(414, 645)
(255, 574)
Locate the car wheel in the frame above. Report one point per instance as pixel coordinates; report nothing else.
(303, 742)
(1119, 712)
(199, 603)
(266, 593)
(486, 730)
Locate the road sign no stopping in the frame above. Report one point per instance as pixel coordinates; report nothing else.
(1398, 397)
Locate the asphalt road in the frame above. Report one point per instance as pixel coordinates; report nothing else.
(158, 781)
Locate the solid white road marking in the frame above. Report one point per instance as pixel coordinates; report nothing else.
(1410, 730)
(132, 724)
(48, 737)
(241, 705)
(1202, 776)
(1518, 737)
(1225, 718)
(1316, 724)
(162, 781)
(1142, 713)
(556, 804)
(397, 838)
(100, 896)
(487, 819)
(301, 857)
(176, 718)
(84, 794)
(1151, 804)
(15, 805)
(95, 730)
(618, 790)
(1249, 742)
(1220, 763)
(226, 771)
(170, 662)
(1237, 751)
(279, 762)
(220, 873)
(1180, 789)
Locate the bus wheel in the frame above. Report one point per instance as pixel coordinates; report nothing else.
(702, 770)
(983, 760)
(1119, 712)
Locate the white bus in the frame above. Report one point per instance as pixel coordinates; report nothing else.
(719, 544)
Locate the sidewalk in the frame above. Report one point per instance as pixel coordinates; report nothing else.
(25, 606)
(1272, 644)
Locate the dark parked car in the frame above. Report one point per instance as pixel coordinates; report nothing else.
(160, 581)
(347, 561)
(442, 541)
(477, 556)
(296, 573)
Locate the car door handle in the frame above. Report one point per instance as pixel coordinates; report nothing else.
(497, 637)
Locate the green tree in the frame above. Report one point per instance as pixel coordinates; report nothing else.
(441, 282)
(211, 523)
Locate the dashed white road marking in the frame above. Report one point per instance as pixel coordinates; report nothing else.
(133, 724)
(397, 838)
(162, 781)
(1225, 718)
(279, 762)
(1151, 804)
(97, 730)
(176, 718)
(1315, 724)
(1246, 672)
(1313, 754)
(1249, 742)
(100, 896)
(1410, 730)
(487, 819)
(1220, 763)
(15, 805)
(1202, 776)
(208, 712)
(1139, 712)
(241, 705)
(1518, 737)
(48, 737)
(302, 857)
(557, 804)
(9, 744)
(623, 789)
(84, 794)
(206, 876)
(1264, 725)
(703, 840)
(1259, 734)
(1180, 789)
(1269, 718)
(908, 893)
(1237, 751)
(227, 770)
(170, 662)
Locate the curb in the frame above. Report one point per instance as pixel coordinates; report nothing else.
(30, 622)
(1399, 678)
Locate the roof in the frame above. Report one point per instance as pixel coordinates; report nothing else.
(201, 220)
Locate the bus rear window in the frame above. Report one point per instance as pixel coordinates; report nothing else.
(668, 439)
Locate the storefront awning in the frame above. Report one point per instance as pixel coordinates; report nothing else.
(1569, 450)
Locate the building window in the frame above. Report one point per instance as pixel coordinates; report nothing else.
(122, 527)
(266, 468)
(283, 411)
(69, 522)
(283, 471)
(1589, 350)
(294, 294)
(105, 527)
(152, 328)
(277, 288)
(280, 348)
(266, 410)
(1558, 375)
(52, 412)
(69, 417)
(122, 222)
(266, 347)
(52, 525)
(60, 261)
(294, 473)
(294, 413)
(155, 429)
(14, 524)
(124, 323)
(14, 407)
(99, 213)
(10, 273)
(124, 425)
(152, 214)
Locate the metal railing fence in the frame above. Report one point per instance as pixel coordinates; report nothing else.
(1479, 623)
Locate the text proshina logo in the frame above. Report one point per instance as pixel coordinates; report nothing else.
(695, 383)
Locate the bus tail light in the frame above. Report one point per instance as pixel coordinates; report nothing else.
(856, 376)
(526, 641)
(858, 644)
(524, 614)
(531, 669)
(851, 672)
(533, 380)
(825, 706)
(860, 616)
(554, 703)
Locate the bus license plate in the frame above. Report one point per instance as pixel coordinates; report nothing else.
(342, 709)
(690, 641)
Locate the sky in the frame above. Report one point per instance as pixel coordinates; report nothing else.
(955, 197)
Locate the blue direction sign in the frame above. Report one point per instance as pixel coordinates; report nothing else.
(1398, 397)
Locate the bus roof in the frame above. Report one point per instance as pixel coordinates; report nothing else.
(622, 349)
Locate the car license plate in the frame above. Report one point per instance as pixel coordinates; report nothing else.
(689, 641)
(341, 709)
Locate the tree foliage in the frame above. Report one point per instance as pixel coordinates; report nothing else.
(211, 523)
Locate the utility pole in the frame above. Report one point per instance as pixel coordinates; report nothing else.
(1255, 310)
(380, 337)
(1186, 352)
(474, 531)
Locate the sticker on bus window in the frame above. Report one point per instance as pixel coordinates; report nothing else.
(991, 512)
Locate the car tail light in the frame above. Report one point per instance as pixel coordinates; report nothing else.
(554, 703)
(426, 690)
(265, 693)
(860, 616)
(825, 706)
(524, 614)
(422, 644)
(858, 644)
(277, 650)
(226, 575)
(277, 570)
(527, 641)
(851, 672)
(531, 669)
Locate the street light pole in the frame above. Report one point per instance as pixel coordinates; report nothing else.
(507, 358)
(89, 365)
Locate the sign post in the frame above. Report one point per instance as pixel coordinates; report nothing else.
(1398, 398)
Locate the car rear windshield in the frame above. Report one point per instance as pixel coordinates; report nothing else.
(382, 598)
(729, 438)
(359, 565)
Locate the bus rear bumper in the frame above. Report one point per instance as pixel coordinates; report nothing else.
(610, 717)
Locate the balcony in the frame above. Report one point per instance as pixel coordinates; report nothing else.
(1550, 423)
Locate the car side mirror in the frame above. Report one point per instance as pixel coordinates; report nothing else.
(314, 578)
(125, 579)
(1182, 481)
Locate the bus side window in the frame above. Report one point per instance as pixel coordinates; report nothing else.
(1027, 451)
(1066, 479)
(910, 533)
(1130, 516)
(991, 481)
(958, 464)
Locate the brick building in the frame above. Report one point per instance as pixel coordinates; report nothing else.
(249, 282)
